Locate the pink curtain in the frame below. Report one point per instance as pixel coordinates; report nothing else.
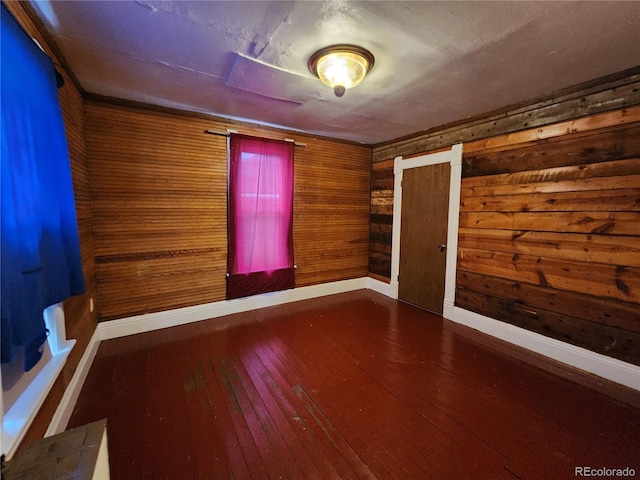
(260, 217)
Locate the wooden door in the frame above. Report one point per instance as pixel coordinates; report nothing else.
(423, 236)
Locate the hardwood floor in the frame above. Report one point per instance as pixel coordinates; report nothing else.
(349, 386)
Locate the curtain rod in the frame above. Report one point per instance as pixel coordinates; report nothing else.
(229, 132)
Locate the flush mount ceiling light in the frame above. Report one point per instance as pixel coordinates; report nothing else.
(341, 66)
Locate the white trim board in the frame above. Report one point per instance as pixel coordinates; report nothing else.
(68, 401)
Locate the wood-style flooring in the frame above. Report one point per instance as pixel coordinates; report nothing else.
(349, 386)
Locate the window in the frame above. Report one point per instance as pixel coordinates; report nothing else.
(260, 216)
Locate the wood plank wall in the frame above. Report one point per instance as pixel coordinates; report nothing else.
(613, 93)
(80, 322)
(381, 220)
(159, 206)
(549, 236)
(576, 307)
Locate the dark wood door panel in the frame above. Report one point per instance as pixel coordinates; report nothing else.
(423, 235)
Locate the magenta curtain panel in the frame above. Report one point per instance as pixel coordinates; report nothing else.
(260, 216)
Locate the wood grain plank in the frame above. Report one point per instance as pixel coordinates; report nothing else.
(613, 118)
(600, 223)
(595, 279)
(594, 100)
(601, 145)
(617, 200)
(598, 337)
(612, 168)
(328, 461)
(579, 185)
(614, 313)
(577, 247)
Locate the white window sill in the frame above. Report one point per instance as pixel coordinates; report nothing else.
(17, 420)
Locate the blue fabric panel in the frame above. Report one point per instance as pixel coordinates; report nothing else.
(41, 262)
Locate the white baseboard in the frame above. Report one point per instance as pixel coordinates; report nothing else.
(381, 287)
(67, 403)
(448, 308)
(601, 365)
(181, 316)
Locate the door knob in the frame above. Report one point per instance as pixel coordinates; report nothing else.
(442, 247)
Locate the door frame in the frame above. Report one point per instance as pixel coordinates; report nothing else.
(454, 158)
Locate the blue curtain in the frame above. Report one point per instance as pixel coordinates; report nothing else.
(41, 262)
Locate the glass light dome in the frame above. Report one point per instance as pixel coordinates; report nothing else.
(341, 67)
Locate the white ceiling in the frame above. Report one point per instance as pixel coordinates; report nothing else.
(436, 62)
